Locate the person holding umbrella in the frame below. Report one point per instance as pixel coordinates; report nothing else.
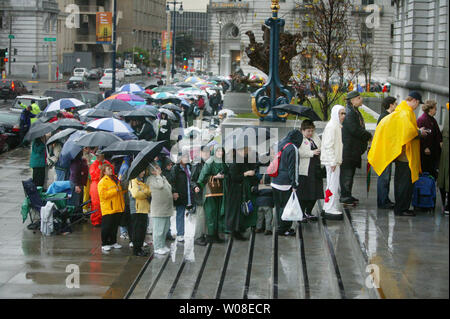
(95, 173)
(112, 206)
(161, 208)
(25, 122)
(139, 194)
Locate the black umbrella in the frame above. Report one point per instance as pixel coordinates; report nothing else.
(60, 135)
(99, 113)
(115, 105)
(100, 139)
(68, 123)
(143, 112)
(299, 110)
(144, 158)
(172, 107)
(39, 129)
(183, 85)
(130, 147)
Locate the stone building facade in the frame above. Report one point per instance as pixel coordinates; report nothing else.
(421, 51)
(29, 22)
(229, 20)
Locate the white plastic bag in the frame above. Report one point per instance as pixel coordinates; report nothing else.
(292, 211)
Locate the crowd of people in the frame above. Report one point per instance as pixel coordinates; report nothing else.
(230, 198)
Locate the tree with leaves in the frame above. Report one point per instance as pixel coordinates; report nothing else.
(329, 46)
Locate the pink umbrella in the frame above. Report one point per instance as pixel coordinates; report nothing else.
(126, 97)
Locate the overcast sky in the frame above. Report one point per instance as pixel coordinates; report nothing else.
(195, 5)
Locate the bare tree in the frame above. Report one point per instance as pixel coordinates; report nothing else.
(329, 47)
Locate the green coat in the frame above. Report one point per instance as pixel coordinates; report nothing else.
(443, 166)
(37, 157)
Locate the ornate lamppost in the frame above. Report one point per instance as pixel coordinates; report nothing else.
(174, 3)
(266, 97)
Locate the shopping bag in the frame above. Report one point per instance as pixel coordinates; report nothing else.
(292, 211)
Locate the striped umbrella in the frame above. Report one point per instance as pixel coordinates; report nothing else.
(193, 79)
(62, 104)
(130, 87)
(111, 125)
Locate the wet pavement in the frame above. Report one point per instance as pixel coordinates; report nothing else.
(327, 260)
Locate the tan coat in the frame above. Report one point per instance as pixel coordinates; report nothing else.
(162, 200)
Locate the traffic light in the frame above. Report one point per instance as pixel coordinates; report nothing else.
(6, 52)
(15, 51)
(5, 60)
(184, 59)
(185, 67)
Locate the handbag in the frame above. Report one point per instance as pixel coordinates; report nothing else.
(292, 211)
(215, 185)
(246, 205)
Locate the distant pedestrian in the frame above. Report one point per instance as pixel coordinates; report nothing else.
(164, 130)
(33, 71)
(331, 158)
(397, 139)
(112, 206)
(430, 145)
(355, 138)
(384, 180)
(161, 208)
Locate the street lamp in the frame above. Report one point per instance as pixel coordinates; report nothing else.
(220, 43)
(180, 10)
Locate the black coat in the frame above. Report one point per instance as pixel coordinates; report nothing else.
(195, 174)
(147, 132)
(287, 171)
(179, 185)
(354, 137)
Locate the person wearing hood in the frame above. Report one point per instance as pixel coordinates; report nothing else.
(240, 177)
(287, 180)
(355, 139)
(210, 181)
(404, 149)
(331, 158)
(95, 173)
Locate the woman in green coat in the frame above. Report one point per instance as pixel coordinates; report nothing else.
(443, 166)
(239, 179)
(213, 205)
(37, 161)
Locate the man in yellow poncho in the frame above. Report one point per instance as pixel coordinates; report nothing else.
(396, 140)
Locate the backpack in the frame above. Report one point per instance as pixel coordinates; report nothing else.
(424, 194)
(272, 170)
(201, 104)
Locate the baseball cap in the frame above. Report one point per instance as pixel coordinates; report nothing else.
(416, 95)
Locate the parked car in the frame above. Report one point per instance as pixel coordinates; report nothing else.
(137, 71)
(80, 72)
(105, 82)
(90, 98)
(10, 122)
(128, 72)
(42, 102)
(77, 82)
(57, 94)
(9, 89)
(120, 74)
(95, 74)
(4, 146)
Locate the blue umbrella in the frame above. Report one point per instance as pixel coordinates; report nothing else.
(131, 87)
(70, 150)
(111, 125)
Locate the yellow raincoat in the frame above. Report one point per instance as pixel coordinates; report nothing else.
(393, 132)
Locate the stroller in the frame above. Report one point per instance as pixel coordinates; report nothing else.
(64, 215)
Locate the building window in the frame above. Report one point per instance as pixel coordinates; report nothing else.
(367, 2)
(306, 61)
(366, 34)
(306, 30)
(391, 60)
